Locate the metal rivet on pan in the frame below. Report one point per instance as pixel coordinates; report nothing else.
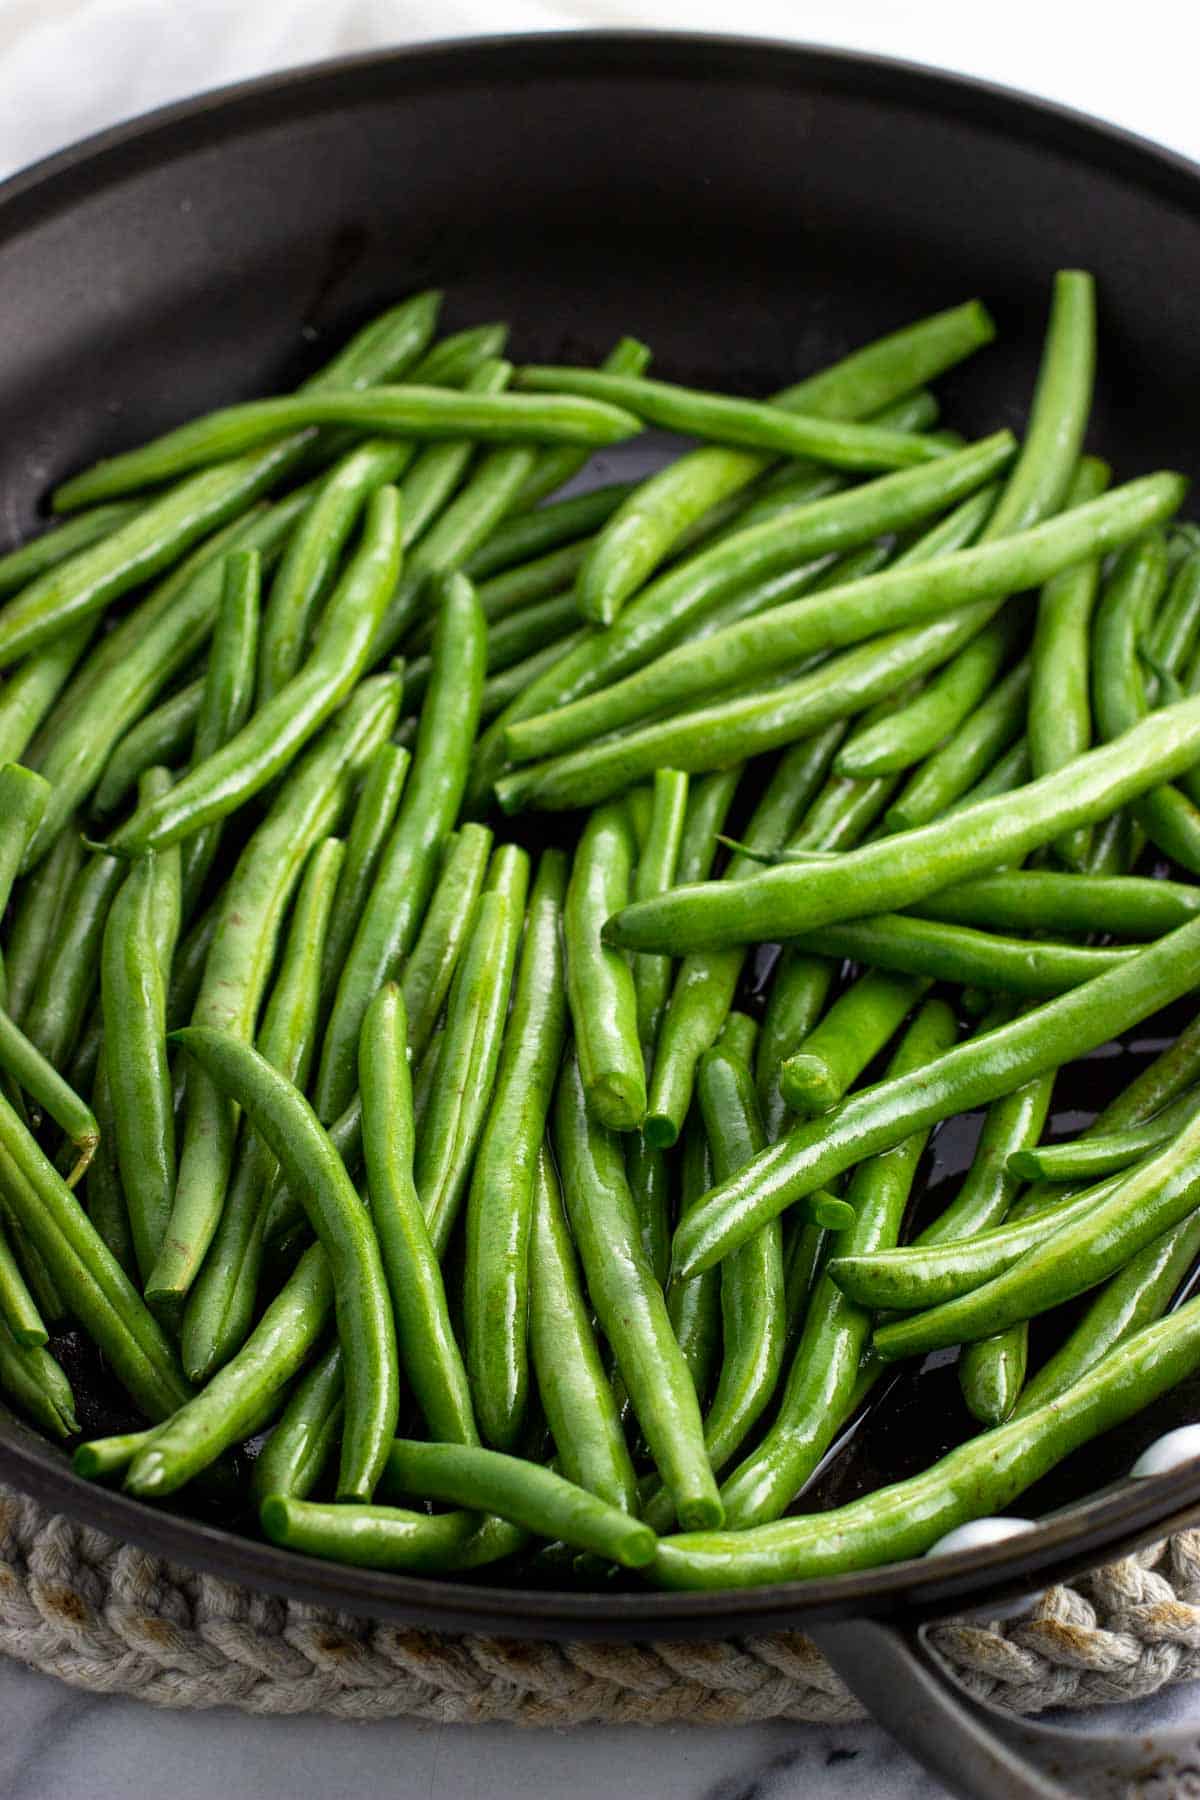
(1168, 1452)
(973, 1536)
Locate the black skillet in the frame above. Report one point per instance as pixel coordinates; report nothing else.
(752, 210)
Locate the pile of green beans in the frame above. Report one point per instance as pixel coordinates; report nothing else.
(525, 1195)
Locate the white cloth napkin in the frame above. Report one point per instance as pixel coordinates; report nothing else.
(69, 67)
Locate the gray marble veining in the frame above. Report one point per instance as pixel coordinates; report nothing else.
(60, 1744)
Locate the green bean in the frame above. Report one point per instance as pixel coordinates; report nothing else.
(163, 735)
(32, 689)
(600, 985)
(248, 760)
(239, 962)
(113, 691)
(1060, 714)
(554, 468)
(991, 1374)
(23, 797)
(396, 904)
(374, 815)
(101, 1296)
(308, 567)
(694, 1307)
(61, 539)
(648, 1173)
(187, 970)
(532, 534)
(219, 1307)
(1127, 906)
(429, 970)
(39, 914)
(938, 952)
(655, 871)
(18, 1308)
(982, 1476)
(990, 1185)
(471, 1050)
(802, 897)
(825, 1366)
(1144, 1202)
(1082, 1159)
(243, 1396)
(69, 971)
(1167, 815)
(388, 1537)
(752, 1288)
(439, 468)
(952, 696)
(501, 1199)
(315, 1172)
(856, 1028)
(428, 1349)
(282, 1208)
(572, 1385)
(540, 579)
(30, 1376)
(226, 699)
(1141, 1292)
(842, 522)
(454, 359)
(705, 984)
(1173, 636)
(967, 756)
(726, 420)
(404, 411)
(106, 1204)
(304, 1438)
(499, 691)
(523, 1493)
(708, 802)
(40, 1080)
(738, 1036)
(798, 994)
(980, 1070)
(513, 640)
(629, 1302)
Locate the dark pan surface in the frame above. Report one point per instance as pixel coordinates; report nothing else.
(752, 211)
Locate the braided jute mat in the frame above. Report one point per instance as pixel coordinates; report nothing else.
(103, 1616)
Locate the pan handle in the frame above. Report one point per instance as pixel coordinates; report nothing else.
(976, 1750)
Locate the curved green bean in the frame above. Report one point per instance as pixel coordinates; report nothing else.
(1103, 1153)
(303, 1440)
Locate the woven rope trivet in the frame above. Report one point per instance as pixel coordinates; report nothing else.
(115, 1620)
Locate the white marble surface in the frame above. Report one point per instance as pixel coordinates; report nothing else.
(72, 66)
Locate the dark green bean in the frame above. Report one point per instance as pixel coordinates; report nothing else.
(227, 698)
(106, 1204)
(1143, 1203)
(251, 758)
(629, 1302)
(164, 634)
(39, 914)
(102, 1298)
(825, 1367)
(429, 970)
(1060, 713)
(600, 986)
(980, 1070)
(501, 1199)
(164, 736)
(499, 691)
(40, 1080)
(1166, 814)
(471, 1047)
(523, 1493)
(245, 1395)
(939, 952)
(842, 522)
(303, 1440)
(30, 1376)
(531, 534)
(374, 815)
(217, 1317)
(982, 1476)
(314, 1170)
(394, 909)
(252, 908)
(798, 994)
(428, 1349)
(572, 1385)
